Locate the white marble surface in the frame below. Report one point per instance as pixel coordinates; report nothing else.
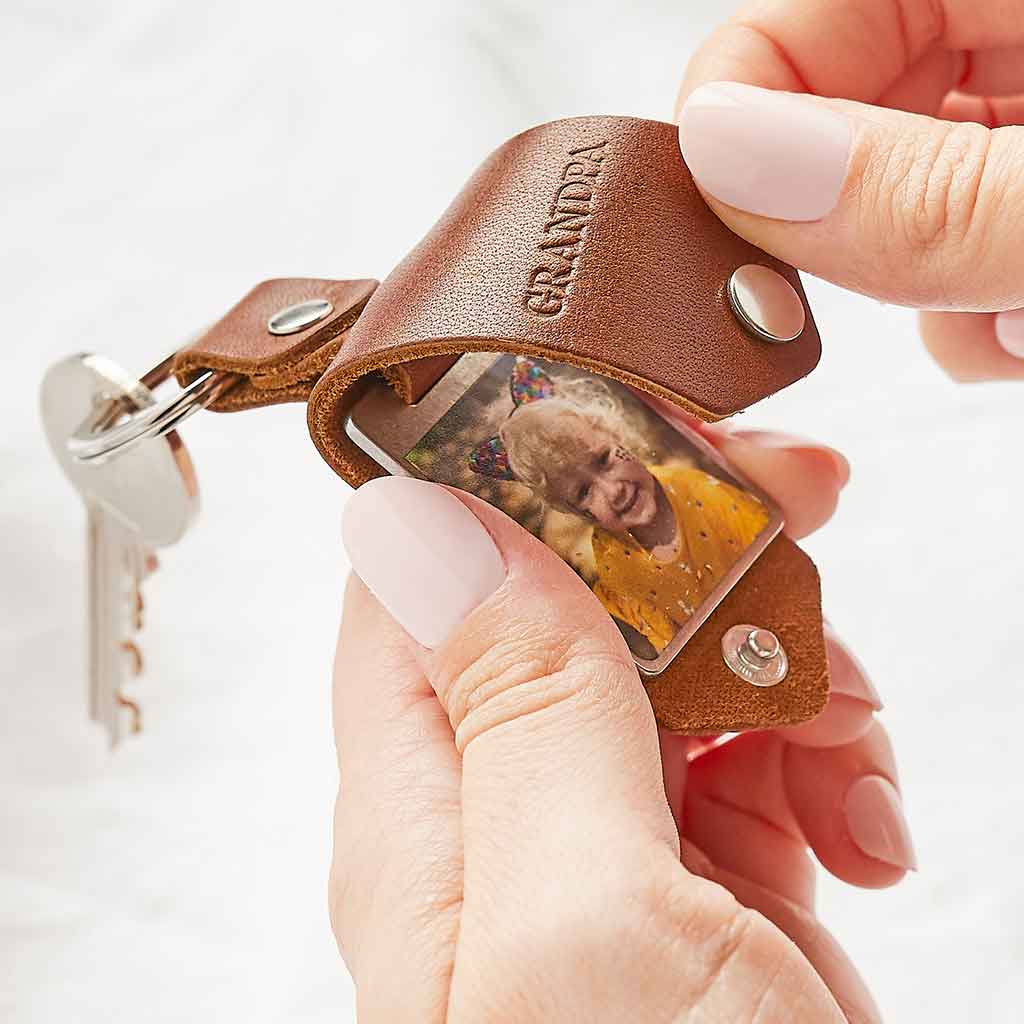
(160, 157)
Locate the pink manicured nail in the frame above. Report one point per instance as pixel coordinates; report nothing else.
(794, 442)
(1010, 331)
(846, 674)
(422, 553)
(776, 154)
(874, 816)
(777, 438)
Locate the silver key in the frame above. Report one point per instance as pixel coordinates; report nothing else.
(143, 498)
(113, 551)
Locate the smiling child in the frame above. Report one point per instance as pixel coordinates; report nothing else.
(663, 536)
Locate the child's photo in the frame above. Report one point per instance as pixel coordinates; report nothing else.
(639, 508)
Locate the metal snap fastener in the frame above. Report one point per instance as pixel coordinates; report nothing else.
(296, 318)
(755, 654)
(766, 304)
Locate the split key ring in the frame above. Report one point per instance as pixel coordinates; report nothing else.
(99, 438)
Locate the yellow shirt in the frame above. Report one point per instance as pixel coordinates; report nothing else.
(715, 522)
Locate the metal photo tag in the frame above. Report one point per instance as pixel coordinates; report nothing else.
(645, 511)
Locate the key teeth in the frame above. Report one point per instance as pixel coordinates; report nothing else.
(136, 655)
(132, 649)
(135, 710)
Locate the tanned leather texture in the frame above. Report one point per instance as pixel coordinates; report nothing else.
(274, 368)
(698, 694)
(582, 241)
(585, 242)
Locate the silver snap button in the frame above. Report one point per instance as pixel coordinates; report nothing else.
(766, 304)
(755, 655)
(296, 318)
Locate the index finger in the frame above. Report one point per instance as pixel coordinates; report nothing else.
(838, 48)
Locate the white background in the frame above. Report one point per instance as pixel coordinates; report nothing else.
(161, 157)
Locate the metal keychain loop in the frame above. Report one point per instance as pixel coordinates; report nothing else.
(94, 442)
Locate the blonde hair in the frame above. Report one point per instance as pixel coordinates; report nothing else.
(541, 437)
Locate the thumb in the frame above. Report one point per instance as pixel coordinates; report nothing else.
(558, 741)
(906, 208)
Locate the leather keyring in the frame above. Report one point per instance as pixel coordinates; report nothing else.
(584, 242)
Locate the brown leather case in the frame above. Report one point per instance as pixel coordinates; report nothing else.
(586, 242)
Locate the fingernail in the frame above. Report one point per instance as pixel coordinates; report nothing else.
(779, 440)
(422, 553)
(776, 154)
(1010, 331)
(846, 674)
(874, 816)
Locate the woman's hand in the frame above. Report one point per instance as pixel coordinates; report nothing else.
(907, 187)
(504, 847)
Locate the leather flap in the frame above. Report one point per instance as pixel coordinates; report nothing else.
(584, 241)
(274, 368)
(700, 695)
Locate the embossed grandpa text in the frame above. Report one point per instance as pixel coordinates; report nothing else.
(565, 230)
